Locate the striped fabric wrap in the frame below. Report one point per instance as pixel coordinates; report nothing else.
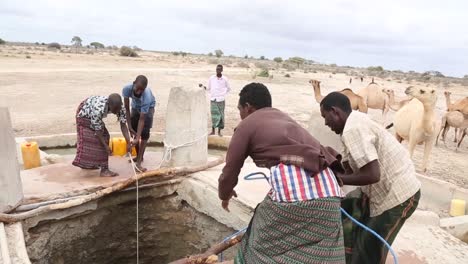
(291, 183)
(306, 232)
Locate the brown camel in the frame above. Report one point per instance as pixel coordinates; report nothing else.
(375, 98)
(393, 104)
(357, 102)
(460, 105)
(453, 119)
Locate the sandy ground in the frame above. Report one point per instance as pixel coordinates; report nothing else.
(44, 91)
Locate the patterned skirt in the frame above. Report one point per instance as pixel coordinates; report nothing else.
(90, 153)
(217, 114)
(298, 232)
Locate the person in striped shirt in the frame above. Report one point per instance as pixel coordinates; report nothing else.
(299, 220)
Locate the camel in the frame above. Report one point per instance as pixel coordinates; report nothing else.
(416, 121)
(394, 105)
(460, 105)
(375, 98)
(453, 119)
(357, 103)
(463, 134)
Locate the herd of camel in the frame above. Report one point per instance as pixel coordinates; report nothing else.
(415, 119)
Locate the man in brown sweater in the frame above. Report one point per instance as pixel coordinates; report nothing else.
(300, 216)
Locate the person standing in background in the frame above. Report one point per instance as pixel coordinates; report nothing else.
(218, 87)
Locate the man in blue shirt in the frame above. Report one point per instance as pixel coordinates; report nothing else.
(141, 117)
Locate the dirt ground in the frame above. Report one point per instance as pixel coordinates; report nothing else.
(44, 90)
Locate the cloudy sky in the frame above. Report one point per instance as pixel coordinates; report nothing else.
(406, 35)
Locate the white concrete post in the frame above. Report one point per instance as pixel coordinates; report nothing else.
(11, 190)
(186, 127)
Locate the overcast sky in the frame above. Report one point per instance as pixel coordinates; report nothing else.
(406, 35)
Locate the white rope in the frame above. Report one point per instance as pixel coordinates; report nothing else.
(129, 154)
(166, 157)
(137, 211)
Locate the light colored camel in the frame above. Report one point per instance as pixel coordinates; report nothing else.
(452, 119)
(357, 103)
(393, 104)
(463, 134)
(416, 121)
(375, 98)
(460, 105)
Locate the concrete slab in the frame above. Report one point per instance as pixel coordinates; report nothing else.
(63, 179)
(457, 226)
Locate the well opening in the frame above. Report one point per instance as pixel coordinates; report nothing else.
(105, 232)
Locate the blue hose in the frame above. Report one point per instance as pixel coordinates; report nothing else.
(395, 259)
(251, 177)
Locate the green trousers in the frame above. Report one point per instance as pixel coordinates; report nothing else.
(361, 246)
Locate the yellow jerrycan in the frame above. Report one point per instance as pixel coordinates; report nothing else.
(119, 147)
(31, 155)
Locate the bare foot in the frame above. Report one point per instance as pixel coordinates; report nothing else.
(139, 168)
(108, 173)
(219, 134)
(212, 133)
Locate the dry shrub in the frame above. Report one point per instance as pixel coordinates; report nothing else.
(261, 65)
(127, 52)
(213, 61)
(263, 73)
(287, 75)
(243, 65)
(54, 45)
(289, 66)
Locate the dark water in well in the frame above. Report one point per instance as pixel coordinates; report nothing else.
(169, 229)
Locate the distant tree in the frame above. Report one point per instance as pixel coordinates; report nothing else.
(262, 57)
(297, 60)
(76, 41)
(246, 56)
(219, 53)
(210, 54)
(376, 68)
(37, 43)
(97, 45)
(135, 48)
(127, 52)
(54, 45)
(278, 59)
(466, 76)
(2, 42)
